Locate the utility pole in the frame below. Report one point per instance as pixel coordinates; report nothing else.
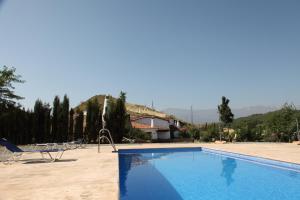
(298, 135)
(220, 133)
(192, 115)
(152, 106)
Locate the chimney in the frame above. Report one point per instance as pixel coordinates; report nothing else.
(178, 124)
(152, 123)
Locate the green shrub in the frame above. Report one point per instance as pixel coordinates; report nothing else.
(194, 133)
(184, 134)
(138, 134)
(206, 136)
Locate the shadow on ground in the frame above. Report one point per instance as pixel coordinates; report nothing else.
(36, 161)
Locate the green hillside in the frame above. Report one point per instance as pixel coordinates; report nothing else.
(83, 105)
(278, 126)
(133, 109)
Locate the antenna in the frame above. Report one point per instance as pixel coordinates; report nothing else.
(152, 106)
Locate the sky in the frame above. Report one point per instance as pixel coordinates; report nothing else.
(176, 53)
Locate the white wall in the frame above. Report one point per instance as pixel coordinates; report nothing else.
(154, 136)
(164, 135)
(156, 122)
(152, 132)
(144, 121)
(176, 134)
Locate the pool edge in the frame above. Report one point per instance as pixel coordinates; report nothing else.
(246, 157)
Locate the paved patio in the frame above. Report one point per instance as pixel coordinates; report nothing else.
(85, 174)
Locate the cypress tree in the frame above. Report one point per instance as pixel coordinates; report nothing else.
(29, 127)
(110, 117)
(116, 117)
(225, 114)
(47, 124)
(55, 118)
(71, 125)
(120, 117)
(78, 125)
(92, 120)
(41, 122)
(37, 121)
(27, 138)
(63, 120)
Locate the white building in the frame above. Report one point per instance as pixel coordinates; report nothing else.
(159, 128)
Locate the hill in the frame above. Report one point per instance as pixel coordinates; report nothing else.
(276, 126)
(262, 118)
(134, 110)
(211, 115)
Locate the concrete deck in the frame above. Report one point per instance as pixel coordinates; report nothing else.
(85, 174)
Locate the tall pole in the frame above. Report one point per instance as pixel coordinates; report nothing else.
(104, 112)
(298, 135)
(192, 115)
(220, 133)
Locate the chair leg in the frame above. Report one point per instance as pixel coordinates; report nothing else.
(61, 154)
(17, 157)
(42, 156)
(50, 156)
(10, 159)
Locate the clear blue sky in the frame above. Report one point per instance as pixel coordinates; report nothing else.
(176, 53)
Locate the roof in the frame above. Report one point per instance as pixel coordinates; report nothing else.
(141, 126)
(148, 116)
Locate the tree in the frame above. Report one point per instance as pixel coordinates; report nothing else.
(120, 117)
(7, 78)
(55, 118)
(194, 132)
(41, 130)
(64, 119)
(78, 132)
(92, 120)
(282, 123)
(12, 123)
(225, 114)
(71, 124)
(116, 117)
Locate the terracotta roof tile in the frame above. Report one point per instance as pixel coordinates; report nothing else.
(140, 126)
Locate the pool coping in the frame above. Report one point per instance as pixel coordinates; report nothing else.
(156, 150)
(257, 160)
(249, 158)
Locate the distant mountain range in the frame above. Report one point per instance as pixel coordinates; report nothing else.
(211, 115)
(199, 116)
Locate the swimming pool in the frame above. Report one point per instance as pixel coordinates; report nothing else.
(200, 173)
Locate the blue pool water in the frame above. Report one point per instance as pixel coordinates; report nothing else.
(194, 173)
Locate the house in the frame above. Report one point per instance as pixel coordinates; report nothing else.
(159, 128)
(228, 130)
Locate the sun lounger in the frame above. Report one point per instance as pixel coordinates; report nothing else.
(127, 140)
(80, 143)
(17, 152)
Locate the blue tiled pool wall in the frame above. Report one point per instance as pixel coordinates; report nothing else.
(159, 150)
(259, 160)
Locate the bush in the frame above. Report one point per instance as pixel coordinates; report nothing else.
(138, 134)
(184, 134)
(206, 136)
(194, 133)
